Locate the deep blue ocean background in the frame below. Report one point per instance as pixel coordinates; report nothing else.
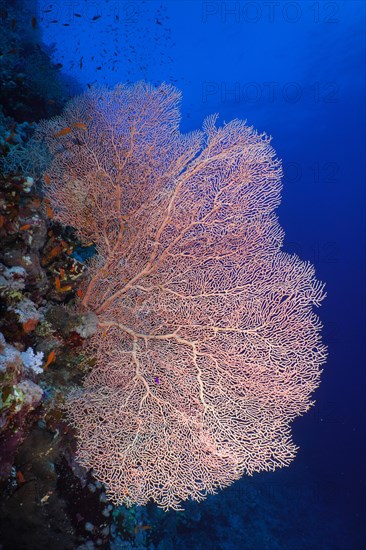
(295, 70)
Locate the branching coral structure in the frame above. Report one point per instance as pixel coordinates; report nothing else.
(207, 345)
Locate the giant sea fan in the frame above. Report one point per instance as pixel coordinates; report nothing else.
(207, 345)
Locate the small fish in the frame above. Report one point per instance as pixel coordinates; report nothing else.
(60, 288)
(157, 380)
(49, 211)
(79, 293)
(62, 273)
(2, 220)
(50, 359)
(47, 179)
(96, 17)
(20, 477)
(77, 14)
(12, 51)
(25, 227)
(63, 132)
(58, 66)
(80, 125)
(29, 325)
(55, 251)
(98, 68)
(34, 22)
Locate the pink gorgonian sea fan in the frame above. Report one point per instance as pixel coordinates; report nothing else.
(207, 345)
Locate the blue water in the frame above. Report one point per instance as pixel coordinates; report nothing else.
(296, 71)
